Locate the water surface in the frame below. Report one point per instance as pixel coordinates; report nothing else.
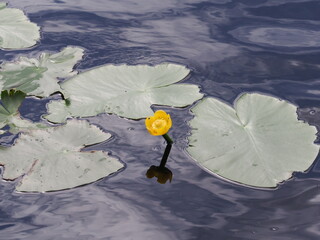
(232, 47)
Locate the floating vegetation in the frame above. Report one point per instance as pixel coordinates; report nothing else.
(259, 142)
(40, 76)
(16, 30)
(51, 159)
(127, 91)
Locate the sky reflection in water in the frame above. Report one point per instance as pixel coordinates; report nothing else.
(232, 47)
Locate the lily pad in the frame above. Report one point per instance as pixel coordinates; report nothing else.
(16, 31)
(127, 91)
(51, 159)
(259, 142)
(9, 114)
(40, 77)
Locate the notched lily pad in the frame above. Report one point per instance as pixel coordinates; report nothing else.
(51, 159)
(127, 91)
(40, 76)
(16, 31)
(259, 142)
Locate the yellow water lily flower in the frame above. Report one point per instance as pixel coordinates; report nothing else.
(159, 123)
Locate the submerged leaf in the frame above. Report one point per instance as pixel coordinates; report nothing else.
(40, 77)
(127, 91)
(11, 101)
(9, 114)
(259, 143)
(51, 159)
(16, 31)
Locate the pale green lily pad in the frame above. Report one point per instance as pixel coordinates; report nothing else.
(50, 159)
(9, 114)
(127, 91)
(40, 77)
(58, 111)
(16, 31)
(259, 142)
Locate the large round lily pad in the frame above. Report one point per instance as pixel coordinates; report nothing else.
(259, 142)
(51, 159)
(127, 91)
(16, 31)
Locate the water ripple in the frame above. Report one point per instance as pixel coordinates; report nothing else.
(278, 36)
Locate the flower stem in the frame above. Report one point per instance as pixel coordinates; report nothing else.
(167, 138)
(166, 151)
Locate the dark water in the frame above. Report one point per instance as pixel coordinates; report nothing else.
(232, 46)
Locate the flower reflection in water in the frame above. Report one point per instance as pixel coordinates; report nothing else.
(162, 174)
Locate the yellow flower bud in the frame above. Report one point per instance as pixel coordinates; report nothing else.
(159, 123)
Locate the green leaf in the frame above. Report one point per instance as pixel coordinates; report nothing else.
(11, 100)
(9, 112)
(16, 31)
(51, 159)
(40, 77)
(127, 91)
(259, 142)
